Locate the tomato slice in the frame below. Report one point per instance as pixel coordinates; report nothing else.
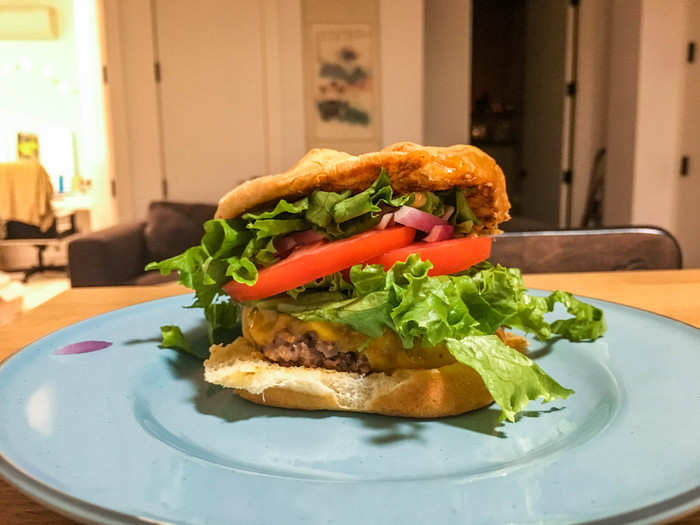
(450, 256)
(318, 260)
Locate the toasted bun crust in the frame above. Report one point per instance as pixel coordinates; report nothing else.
(411, 168)
(437, 392)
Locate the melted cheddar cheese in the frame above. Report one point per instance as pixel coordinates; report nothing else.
(385, 353)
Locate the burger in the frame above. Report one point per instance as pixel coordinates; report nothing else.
(362, 283)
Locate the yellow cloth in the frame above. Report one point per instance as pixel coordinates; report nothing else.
(25, 194)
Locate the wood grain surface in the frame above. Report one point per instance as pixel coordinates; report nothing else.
(673, 293)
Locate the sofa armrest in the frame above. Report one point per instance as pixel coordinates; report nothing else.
(107, 257)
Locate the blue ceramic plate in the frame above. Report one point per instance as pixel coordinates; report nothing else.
(133, 433)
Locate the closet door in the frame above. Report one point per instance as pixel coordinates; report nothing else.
(211, 92)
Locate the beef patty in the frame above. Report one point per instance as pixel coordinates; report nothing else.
(310, 351)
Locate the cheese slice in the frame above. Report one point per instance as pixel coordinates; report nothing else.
(385, 353)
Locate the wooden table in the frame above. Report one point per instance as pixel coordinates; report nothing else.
(672, 293)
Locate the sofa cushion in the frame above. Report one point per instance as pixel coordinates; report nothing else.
(172, 227)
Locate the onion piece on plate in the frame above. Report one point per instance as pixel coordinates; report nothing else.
(83, 347)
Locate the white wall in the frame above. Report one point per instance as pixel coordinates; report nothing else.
(687, 218)
(544, 110)
(401, 56)
(659, 113)
(645, 111)
(622, 116)
(652, 119)
(285, 114)
(448, 36)
(593, 73)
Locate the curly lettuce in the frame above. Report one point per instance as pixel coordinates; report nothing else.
(461, 311)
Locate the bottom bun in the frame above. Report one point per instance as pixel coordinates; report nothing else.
(423, 393)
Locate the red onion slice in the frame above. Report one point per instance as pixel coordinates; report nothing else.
(440, 233)
(417, 219)
(285, 245)
(449, 210)
(307, 237)
(385, 221)
(82, 347)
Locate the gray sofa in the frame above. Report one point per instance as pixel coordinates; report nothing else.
(117, 256)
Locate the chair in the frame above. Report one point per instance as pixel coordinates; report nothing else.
(21, 234)
(582, 250)
(27, 217)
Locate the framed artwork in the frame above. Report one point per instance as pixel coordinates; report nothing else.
(343, 93)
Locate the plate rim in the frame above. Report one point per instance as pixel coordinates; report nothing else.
(674, 507)
(65, 504)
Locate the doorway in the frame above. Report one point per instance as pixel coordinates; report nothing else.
(522, 114)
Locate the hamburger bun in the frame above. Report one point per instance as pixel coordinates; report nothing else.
(410, 167)
(422, 388)
(421, 393)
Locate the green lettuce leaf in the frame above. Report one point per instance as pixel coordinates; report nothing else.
(463, 219)
(224, 321)
(196, 270)
(172, 337)
(333, 282)
(281, 208)
(462, 311)
(265, 228)
(452, 306)
(369, 201)
(512, 379)
(588, 322)
(321, 204)
(463, 212)
(224, 325)
(221, 237)
(433, 204)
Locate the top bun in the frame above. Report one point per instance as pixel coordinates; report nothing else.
(410, 167)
